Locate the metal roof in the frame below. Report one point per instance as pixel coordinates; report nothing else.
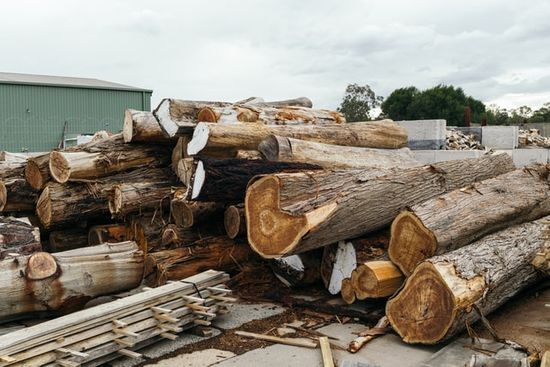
(63, 81)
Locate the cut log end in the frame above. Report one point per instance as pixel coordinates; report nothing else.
(59, 167)
(33, 175)
(376, 279)
(128, 127)
(115, 200)
(44, 208)
(199, 140)
(232, 221)
(163, 115)
(347, 291)
(207, 114)
(41, 265)
(198, 180)
(169, 235)
(3, 196)
(424, 310)
(410, 242)
(275, 148)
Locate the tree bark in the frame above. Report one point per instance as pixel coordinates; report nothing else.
(146, 231)
(105, 158)
(37, 171)
(298, 270)
(179, 152)
(234, 221)
(219, 253)
(289, 213)
(383, 134)
(283, 149)
(18, 237)
(376, 279)
(16, 196)
(284, 115)
(143, 127)
(11, 170)
(541, 262)
(176, 236)
(225, 180)
(188, 214)
(106, 233)
(67, 239)
(447, 292)
(462, 216)
(65, 281)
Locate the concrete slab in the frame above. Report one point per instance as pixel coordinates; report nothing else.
(499, 137)
(201, 358)
(241, 313)
(424, 156)
(425, 134)
(524, 157)
(433, 156)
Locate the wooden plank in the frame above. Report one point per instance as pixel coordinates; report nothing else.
(328, 361)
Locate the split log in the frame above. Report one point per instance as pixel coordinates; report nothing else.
(234, 221)
(232, 137)
(188, 214)
(37, 171)
(298, 270)
(283, 149)
(16, 196)
(104, 158)
(462, 216)
(185, 170)
(143, 127)
(18, 237)
(65, 281)
(208, 253)
(376, 279)
(106, 233)
(225, 180)
(146, 231)
(67, 239)
(447, 292)
(289, 213)
(268, 115)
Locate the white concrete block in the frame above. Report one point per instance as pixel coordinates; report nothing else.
(499, 137)
(425, 134)
(432, 156)
(424, 156)
(524, 157)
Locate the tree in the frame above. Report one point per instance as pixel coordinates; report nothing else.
(358, 102)
(396, 106)
(542, 114)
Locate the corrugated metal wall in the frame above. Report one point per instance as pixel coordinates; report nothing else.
(32, 117)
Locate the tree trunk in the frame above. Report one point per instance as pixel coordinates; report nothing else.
(269, 115)
(11, 170)
(178, 117)
(105, 158)
(65, 281)
(376, 279)
(67, 239)
(188, 214)
(447, 292)
(143, 127)
(289, 213)
(18, 237)
(340, 260)
(106, 233)
(232, 137)
(149, 191)
(17, 196)
(234, 221)
(298, 270)
(348, 292)
(176, 236)
(219, 253)
(462, 216)
(225, 180)
(37, 171)
(282, 149)
(146, 231)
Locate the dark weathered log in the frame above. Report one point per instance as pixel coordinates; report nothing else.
(447, 292)
(68, 239)
(347, 291)
(176, 236)
(376, 279)
(283, 149)
(16, 196)
(462, 216)
(233, 137)
(225, 180)
(37, 171)
(179, 152)
(298, 270)
(188, 214)
(106, 233)
(65, 281)
(234, 221)
(18, 237)
(104, 158)
(210, 253)
(11, 170)
(143, 127)
(289, 213)
(146, 230)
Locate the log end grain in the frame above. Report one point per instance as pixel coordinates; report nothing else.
(59, 167)
(376, 279)
(276, 148)
(3, 195)
(33, 175)
(40, 265)
(128, 126)
(169, 235)
(410, 242)
(232, 221)
(207, 114)
(115, 200)
(44, 208)
(347, 291)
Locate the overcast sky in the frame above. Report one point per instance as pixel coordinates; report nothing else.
(497, 50)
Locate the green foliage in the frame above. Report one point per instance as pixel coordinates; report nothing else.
(358, 102)
(518, 116)
(396, 106)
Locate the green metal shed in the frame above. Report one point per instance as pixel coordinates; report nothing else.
(39, 111)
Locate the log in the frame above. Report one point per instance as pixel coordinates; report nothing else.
(283, 149)
(462, 216)
(176, 236)
(225, 180)
(289, 213)
(347, 291)
(185, 170)
(298, 270)
(104, 158)
(254, 113)
(18, 237)
(179, 152)
(188, 214)
(67, 239)
(383, 134)
(208, 253)
(146, 231)
(11, 170)
(447, 292)
(248, 154)
(178, 117)
(106, 233)
(376, 279)
(37, 171)
(65, 281)
(234, 221)
(17, 196)
(143, 127)
(541, 262)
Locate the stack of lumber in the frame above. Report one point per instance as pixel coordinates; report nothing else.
(532, 139)
(457, 140)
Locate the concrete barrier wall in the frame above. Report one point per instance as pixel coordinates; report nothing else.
(521, 157)
(425, 134)
(499, 137)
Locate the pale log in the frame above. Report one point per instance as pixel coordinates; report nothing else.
(16, 195)
(289, 213)
(248, 154)
(298, 270)
(37, 171)
(65, 281)
(185, 169)
(179, 152)
(67, 239)
(457, 218)
(373, 134)
(447, 292)
(234, 221)
(376, 279)
(106, 233)
(541, 262)
(283, 149)
(143, 127)
(18, 237)
(225, 180)
(11, 170)
(347, 291)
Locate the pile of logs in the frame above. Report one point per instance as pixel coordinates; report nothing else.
(532, 139)
(457, 140)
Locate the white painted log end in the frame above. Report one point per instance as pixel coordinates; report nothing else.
(198, 181)
(199, 139)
